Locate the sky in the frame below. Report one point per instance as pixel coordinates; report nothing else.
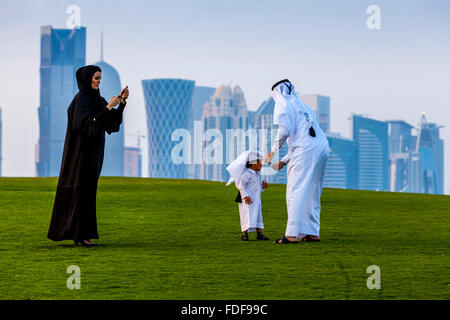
(322, 46)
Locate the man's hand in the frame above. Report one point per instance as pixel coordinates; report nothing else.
(248, 200)
(269, 157)
(265, 184)
(277, 166)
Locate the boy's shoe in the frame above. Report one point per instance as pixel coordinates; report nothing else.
(244, 236)
(261, 236)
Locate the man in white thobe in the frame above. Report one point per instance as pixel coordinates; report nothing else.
(306, 159)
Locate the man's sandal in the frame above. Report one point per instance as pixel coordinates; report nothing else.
(308, 238)
(284, 240)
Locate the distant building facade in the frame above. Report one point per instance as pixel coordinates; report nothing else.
(200, 96)
(263, 120)
(342, 166)
(401, 144)
(63, 51)
(226, 109)
(431, 149)
(167, 103)
(371, 137)
(416, 161)
(133, 162)
(321, 105)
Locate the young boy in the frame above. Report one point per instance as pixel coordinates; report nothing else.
(245, 172)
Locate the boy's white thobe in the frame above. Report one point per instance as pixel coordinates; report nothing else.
(250, 185)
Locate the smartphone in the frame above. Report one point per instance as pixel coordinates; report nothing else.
(123, 91)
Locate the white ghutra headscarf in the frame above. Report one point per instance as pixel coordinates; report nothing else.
(238, 166)
(287, 104)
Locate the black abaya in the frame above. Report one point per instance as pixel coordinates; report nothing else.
(74, 210)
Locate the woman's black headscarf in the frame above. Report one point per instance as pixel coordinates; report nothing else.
(84, 81)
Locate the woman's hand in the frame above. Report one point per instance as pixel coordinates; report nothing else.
(113, 102)
(277, 166)
(248, 200)
(265, 184)
(124, 95)
(269, 157)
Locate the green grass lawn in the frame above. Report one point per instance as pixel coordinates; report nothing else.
(180, 239)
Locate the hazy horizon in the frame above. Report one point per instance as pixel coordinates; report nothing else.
(323, 47)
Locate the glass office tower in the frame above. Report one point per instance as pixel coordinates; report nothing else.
(200, 97)
(401, 144)
(225, 110)
(431, 149)
(373, 153)
(167, 103)
(342, 166)
(63, 51)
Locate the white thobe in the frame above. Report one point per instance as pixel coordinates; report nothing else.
(306, 161)
(250, 185)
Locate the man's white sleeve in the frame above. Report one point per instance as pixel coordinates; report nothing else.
(286, 159)
(280, 139)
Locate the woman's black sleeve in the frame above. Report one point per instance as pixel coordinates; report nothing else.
(114, 119)
(87, 122)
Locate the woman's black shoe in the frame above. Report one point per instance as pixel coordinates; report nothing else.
(84, 244)
(244, 236)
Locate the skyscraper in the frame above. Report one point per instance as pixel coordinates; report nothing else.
(431, 149)
(63, 51)
(414, 172)
(226, 109)
(200, 96)
(113, 164)
(342, 166)
(371, 137)
(251, 116)
(167, 103)
(133, 162)
(321, 105)
(401, 144)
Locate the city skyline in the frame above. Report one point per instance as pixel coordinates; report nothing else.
(397, 72)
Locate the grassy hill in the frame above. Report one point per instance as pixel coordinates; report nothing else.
(180, 239)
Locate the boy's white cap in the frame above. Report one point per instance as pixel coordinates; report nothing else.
(238, 166)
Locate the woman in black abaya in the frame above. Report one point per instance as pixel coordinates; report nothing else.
(89, 117)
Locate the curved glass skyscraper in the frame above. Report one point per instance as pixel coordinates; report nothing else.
(167, 103)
